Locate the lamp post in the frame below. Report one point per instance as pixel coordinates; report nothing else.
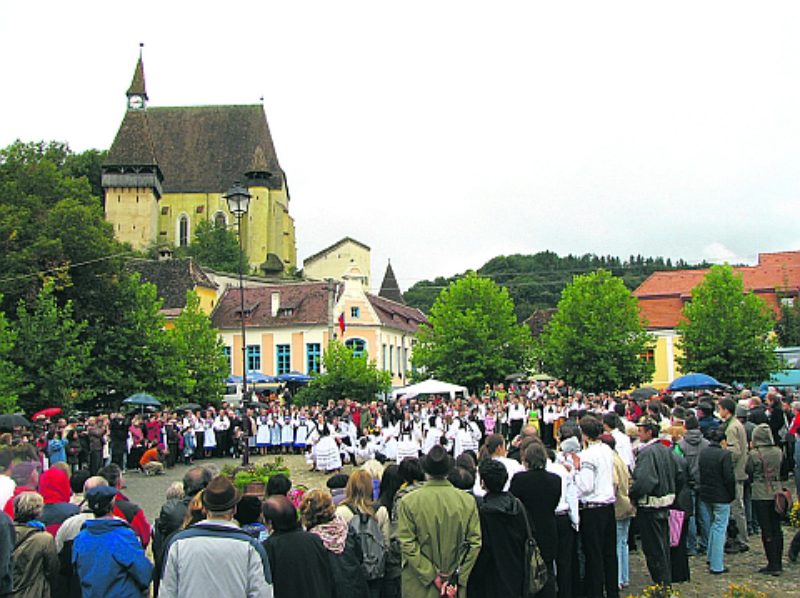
(238, 202)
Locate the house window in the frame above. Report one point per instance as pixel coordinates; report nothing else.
(787, 301)
(226, 351)
(648, 356)
(357, 346)
(183, 231)
(355, 312)
(284, 359)
(253, 358)
(313, 355)
(391, 359)
(383, 352)
(219, 220)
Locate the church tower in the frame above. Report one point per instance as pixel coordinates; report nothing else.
(169, 168)
(131, 175)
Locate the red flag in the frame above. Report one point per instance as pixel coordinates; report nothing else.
(341, 324)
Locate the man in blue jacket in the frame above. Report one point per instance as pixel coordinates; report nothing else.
(107, 554)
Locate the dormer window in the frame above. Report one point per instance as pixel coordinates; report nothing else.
(355, 312)
(285, 312)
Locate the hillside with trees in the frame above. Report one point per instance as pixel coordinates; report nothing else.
(536, 281)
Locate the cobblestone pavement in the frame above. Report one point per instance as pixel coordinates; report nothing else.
(149, 493)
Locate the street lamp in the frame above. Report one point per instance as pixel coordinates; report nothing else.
(238, 201)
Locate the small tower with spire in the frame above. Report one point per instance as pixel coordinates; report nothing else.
(389, 287)
(137, 92)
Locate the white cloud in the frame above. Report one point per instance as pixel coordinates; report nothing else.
(717, 253)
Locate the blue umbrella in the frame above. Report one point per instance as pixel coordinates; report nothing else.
(233, 380)
(259, 378)
(693, 382)
(294, 377)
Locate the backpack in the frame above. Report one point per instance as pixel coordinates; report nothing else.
(370, 538)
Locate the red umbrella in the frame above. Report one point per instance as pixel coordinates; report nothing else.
(49, 412)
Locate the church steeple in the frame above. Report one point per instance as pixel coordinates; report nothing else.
(389, 287)
(137, 92)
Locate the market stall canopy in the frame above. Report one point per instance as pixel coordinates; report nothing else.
(294, 377)
(431, 387)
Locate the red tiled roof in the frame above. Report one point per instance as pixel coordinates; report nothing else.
(663, 294)
(300, 303)
(397, 315)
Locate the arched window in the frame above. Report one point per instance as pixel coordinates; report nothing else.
(183, 231)
(219, 220)
(357, 345)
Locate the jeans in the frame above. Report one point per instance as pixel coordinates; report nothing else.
(623, 525)
(694, 539)
(715, 518)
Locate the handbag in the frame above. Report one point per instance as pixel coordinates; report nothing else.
(782, 498)
(535, 569)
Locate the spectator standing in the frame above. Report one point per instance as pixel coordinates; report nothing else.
(655, 484)
(500, 567)
(106, 553)
(192, 563)
(594, 477)
(8, 539)
(717, 490)
(55, 490)
(691, 444)
(764, 464)
(298, 558)
(540, 493)
(35, 558)
(736, 443)
(344, 551)
(439, 532)
(126, 509)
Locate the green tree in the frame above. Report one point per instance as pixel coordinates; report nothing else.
(727, 333)
(199, 348)
(345, 376)
(216, 247)
(11, 381)
(788, 327)
(596, 340)
(50, 352)
(133, 353)
(473, 336)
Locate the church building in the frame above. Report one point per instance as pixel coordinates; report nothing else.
(170, 167)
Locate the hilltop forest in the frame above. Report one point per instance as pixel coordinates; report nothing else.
(536, 281)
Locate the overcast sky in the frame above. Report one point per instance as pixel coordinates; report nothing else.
(444, 133)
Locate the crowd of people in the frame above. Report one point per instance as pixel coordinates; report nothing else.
(443, 496)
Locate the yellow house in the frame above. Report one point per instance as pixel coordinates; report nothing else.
(334, 261)
(172, 279)
(288, 326)
(169, 168)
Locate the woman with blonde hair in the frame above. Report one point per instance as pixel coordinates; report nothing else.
(195, 511)
(317, 514)
(358, 501)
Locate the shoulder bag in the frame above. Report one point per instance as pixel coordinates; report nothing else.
(535, 569)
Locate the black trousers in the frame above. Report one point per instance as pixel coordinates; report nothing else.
(95, 461)
(599, 541)
(654, 530)
(565, 557)
(516, 427)
(771, 533)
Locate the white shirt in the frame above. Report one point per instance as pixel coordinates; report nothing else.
(7, 486)
(623, 448)
(512, 467)
(595, 478)
(516, 412)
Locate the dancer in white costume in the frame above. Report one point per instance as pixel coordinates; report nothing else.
(326, 452)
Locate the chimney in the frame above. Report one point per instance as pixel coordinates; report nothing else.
(276, 303)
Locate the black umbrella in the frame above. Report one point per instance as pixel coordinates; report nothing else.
(644, 393)
(13, 420)
(142, 399)
(515, 377)
(188, 407)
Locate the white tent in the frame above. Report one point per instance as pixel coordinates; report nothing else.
(430, 387)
